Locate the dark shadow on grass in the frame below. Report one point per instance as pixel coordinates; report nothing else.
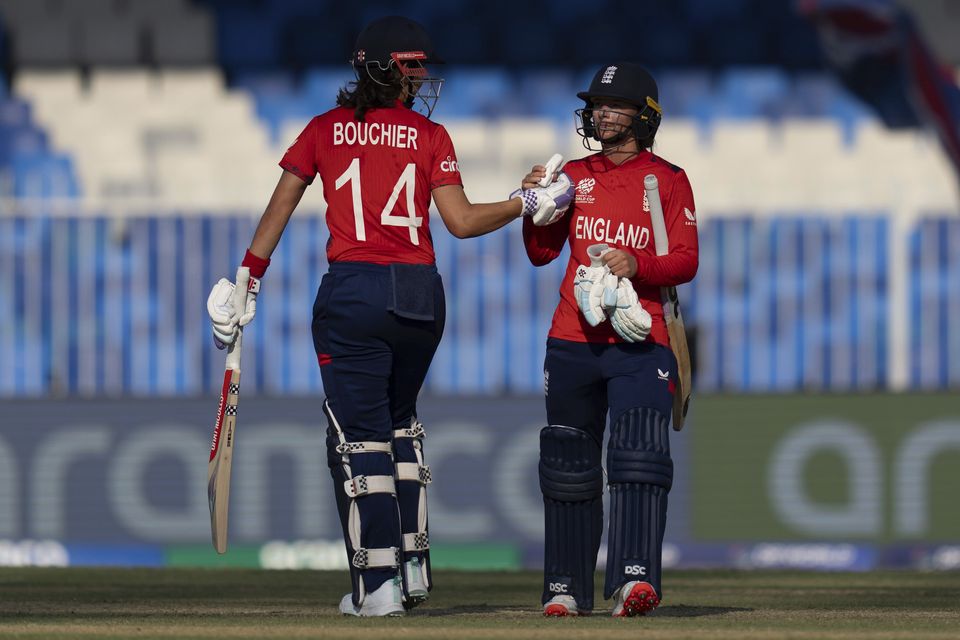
(471, 609)
(671, 611)
(686, 611)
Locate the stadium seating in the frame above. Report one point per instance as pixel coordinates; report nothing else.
(155, 116)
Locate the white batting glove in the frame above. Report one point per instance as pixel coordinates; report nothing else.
(548, 202)
(629, 319)
(224, 318)
(589, 284)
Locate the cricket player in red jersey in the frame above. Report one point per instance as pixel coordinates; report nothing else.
(608, 351)
(379, 311)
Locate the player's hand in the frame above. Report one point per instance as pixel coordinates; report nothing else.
(543, 175)
(629, 319)
(532, 179)
(620, 263)
(227, 320)
(546, 205)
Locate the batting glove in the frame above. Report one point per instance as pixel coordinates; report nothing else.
(591, 286)
(629, 319)
(546, 205)
(225, 319)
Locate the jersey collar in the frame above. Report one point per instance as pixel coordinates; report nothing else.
(642, 157)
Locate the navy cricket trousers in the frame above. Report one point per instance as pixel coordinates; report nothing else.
(585, 380)
(375, 330)
(372, 360)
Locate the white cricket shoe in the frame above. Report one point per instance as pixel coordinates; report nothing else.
(560, 607)
(417, 592)
(635, 599)
(385, 601)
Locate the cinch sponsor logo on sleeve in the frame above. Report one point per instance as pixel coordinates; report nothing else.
(620, 234)
(375, 133)
(449, 165)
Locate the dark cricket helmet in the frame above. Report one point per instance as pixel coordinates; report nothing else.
(389, 40)
(396, 42)
(629, 82)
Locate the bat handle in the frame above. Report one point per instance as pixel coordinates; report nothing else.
(240, 292)
(239, 305)
(553, 164)
(661, 241)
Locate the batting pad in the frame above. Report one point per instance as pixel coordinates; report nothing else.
(640, 473)
(365, 491)
(412, 479)
(571, 480)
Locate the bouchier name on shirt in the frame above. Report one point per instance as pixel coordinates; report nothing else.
(375, 133)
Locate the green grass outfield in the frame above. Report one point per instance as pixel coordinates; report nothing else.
(239, 603)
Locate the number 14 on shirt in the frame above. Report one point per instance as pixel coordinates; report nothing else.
(406, 182)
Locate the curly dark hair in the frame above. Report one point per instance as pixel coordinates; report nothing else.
(372, 89)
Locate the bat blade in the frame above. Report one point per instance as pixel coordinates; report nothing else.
(671, 309)
(221, 459)
(221, 450)
(681, 351)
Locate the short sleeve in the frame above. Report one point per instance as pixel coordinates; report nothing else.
(301, 157)
(445, 169)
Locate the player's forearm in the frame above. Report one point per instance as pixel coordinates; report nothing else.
(478, 219)
(286, 196)
(543, 244)
(673, 269)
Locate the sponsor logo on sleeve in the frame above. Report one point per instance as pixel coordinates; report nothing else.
(449, 165)
(691, 217)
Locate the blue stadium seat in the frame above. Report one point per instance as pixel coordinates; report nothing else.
(263, 83)
(682, 91)
(14, 113)
(21, 140)
(277, 109)
(43, 176)
(321, 85)
(549, 93)
(750, 93)
(477, 92)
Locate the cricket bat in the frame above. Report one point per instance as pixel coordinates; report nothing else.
(671, 307)
(221, 451)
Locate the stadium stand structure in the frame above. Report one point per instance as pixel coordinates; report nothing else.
(176, 124)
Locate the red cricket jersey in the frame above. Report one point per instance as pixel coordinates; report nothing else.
(611, 206)
(377, 180)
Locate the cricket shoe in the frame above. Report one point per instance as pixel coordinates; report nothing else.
(385, 601)
(417, 592)
(635, 599)
(561, 607)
